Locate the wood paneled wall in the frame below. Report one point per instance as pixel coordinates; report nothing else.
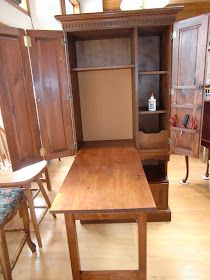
(191, 7)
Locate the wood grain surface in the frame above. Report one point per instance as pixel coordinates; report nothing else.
(105, 179)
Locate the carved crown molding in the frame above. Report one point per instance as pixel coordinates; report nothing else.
(102, 21)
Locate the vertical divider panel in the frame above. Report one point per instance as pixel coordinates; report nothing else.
(134, 60)
(72, 58)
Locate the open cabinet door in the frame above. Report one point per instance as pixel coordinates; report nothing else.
(17, 99)
(49, 68)
(188, 70)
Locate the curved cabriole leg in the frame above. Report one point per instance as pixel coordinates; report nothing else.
(206, 176)
(185, 181)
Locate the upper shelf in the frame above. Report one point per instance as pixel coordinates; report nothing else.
(96, 68)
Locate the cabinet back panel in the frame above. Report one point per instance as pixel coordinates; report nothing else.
(148, 84)
(106, 104)
(149, 53)
(106, 52)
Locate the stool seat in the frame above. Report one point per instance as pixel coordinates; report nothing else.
(9, 199)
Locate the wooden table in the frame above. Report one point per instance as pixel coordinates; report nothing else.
(105, 183)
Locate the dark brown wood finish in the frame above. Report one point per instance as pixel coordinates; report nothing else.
(119, 19)
(52, 91)
(189, 52)
(141, 41)
(17, 99)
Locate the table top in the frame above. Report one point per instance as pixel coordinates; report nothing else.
(103, 180)
(22, 176)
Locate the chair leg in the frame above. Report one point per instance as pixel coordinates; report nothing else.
(4, 256)
(24, 214)
(33, 214)
(47, 179)
(39, 182)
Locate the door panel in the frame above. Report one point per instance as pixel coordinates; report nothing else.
(188, 69)
(17, 99)
(52, 92)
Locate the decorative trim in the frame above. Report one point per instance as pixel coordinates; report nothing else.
(101, 21)
(101, 25)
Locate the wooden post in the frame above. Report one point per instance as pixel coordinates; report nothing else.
(73, 246)
(142, 239)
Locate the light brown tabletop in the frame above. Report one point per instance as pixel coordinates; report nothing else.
(105, 179)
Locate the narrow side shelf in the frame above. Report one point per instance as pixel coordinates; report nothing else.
(188, 130)
(144, 111)
(96, 68)
(157, 153)
(180, 106)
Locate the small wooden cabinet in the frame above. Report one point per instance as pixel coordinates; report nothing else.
(116, 61)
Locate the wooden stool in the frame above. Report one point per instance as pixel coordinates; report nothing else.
(11, 200)
(24, 177)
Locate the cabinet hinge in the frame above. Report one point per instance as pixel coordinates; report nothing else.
(74, 147)
(27, 41)
(69, 97)
(42, 152)
(173, 35)
(170, 141)
(172, 92)
(65, 42)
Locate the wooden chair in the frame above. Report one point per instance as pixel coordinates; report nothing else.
(12, 200)
(24, 177)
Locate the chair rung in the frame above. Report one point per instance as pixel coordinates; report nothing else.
(13, 229)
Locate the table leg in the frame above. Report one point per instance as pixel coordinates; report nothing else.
(142, 239)
(73, 246)
(33, 214)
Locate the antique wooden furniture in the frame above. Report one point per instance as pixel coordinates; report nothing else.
(105, 182)
(116, 60)
(12, 200)
(92, 82)
(24, 177)
(188, 81)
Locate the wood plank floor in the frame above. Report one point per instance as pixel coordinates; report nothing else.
(179, 250)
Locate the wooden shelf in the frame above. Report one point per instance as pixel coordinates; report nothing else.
(145, 111)
(180, 106)
(96, 68)
(154, 153)
(153, 72)
(188, 130)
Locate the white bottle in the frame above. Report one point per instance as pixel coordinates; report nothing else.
(152, 103)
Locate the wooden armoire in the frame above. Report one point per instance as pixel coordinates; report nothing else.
(96, 77)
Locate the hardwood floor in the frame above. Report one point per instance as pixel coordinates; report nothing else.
(178, 250)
